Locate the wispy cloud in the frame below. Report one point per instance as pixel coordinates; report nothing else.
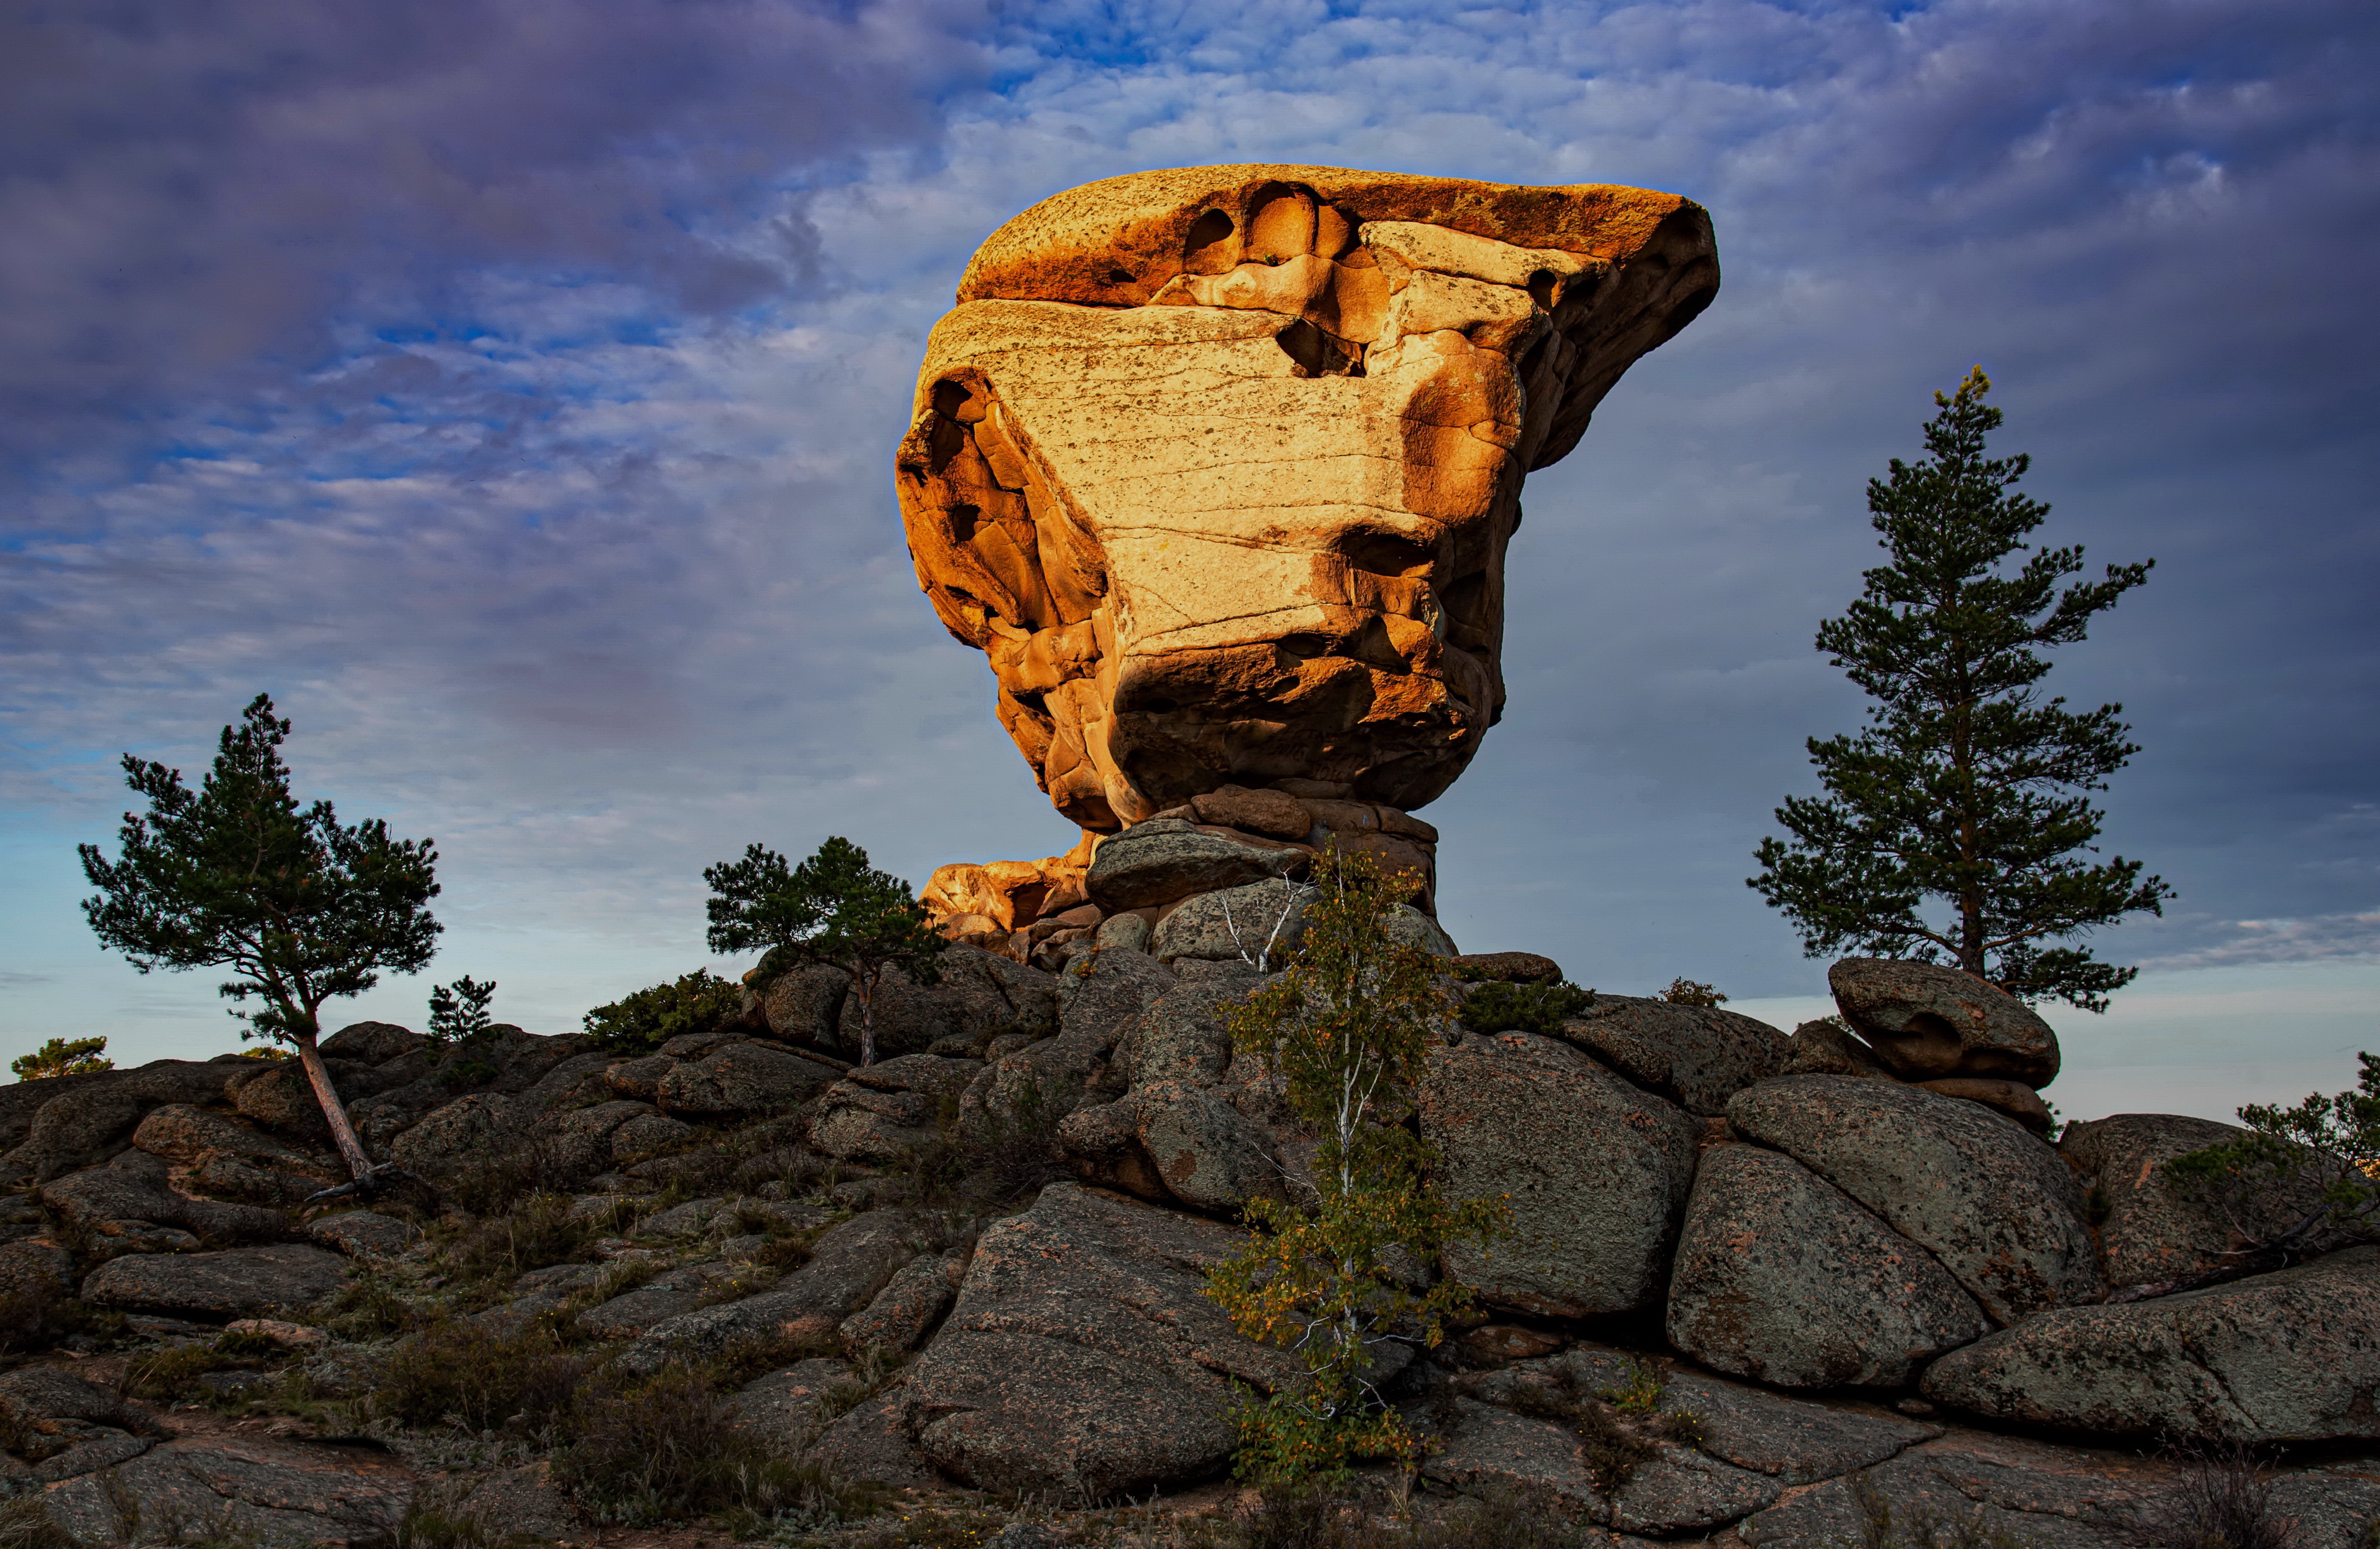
(2353, 936)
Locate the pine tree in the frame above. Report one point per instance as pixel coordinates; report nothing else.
(299, 907)
(1966, 786)
(832, 909)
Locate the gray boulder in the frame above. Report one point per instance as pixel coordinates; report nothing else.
(805, 1005)
(133, 1188)
(250, 1489)
(781, 1407)
(1084, 1360)
(182, 1133)
(364, 1234)
(2293, 1356)
(71, 1123)
(1258, 920)
(1098, 993)
(1697, 1057)
(899, 1316)
(36, 1266)
(873, 1442)
(1596, 1170)
(460, 1137)
(1781, 1277)
(237, 1282)
(2152, 1231)
(1172, 1140)
(582, 1138)
(846, 1268)
(1994, 1204)
(1164, 859)
(1954, 1490)
(742, 1078)
(980, 996)
(878, 1113)
(1823, 1047)
(1927, 1022)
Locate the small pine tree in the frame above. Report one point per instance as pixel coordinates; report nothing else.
(1964, 786)
(301, 908)
(459, 1012)
(831, 909)
(2331, 1144)
(1683, 991)
(1332, 1278)
(63, 1056)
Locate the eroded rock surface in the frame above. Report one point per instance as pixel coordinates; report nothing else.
(1927, 1021)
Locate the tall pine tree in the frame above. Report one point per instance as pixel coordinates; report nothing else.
(1966, 786)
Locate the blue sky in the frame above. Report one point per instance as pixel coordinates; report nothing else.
(510, 390)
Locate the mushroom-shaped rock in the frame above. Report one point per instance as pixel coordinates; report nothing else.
(1927, 1021)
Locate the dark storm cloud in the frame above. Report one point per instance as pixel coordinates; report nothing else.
(192, 194)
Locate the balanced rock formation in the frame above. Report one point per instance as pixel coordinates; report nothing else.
(1218, 466)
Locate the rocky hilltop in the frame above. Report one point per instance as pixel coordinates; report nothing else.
(971, 1274)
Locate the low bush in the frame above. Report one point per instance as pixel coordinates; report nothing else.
(535, 1234)
(664, 1448)
(698, 1002)
(41, 1318)
(169, 1375)
(1502, 1007)
(369, 1308)
(1693, 992)
(2223, 1500)
(459, 1374)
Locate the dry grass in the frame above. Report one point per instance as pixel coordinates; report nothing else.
(2223, 1500)
(458, 1374)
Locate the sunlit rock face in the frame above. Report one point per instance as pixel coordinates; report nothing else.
(1219, 465)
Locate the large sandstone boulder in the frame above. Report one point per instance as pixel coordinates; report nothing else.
(2293, 1356)
(1218, 465)
(2152, 1229)
(1698, 1056)
(1995, 1205)
(1781, 1277)
(1596, 1172)
(1083, 1359)
(1927, 1021)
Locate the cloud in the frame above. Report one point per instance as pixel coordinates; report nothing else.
(513, 396)
(2324, 938)
(192, 197)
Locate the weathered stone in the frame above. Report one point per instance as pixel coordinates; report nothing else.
(522, 1502)
(980, 993)
(582, 1138)
(373, 1042)
(252, 1487)
(1927, 1021)
(805, 1005)
(1996, 1489)
(1096, 996)
(1270, 813)
(1127, 932)
(633, 1312)
(1491, 1449)
(1160, 861)
(2290, 1356)
(182, 1133)
(31, 1394)
(1796, 1443)
(1596, 1172)
(133, 1188)
(639, 1080)
(364, 1234)
(72, 1122)
(1261, 923)
(642, 1136)
(1783, 1279)
(1698, 1056)
(1083, 1359)
(782, 1409)
(873, 1442)
(742, 1078)
(846, 1268)
(884, 1111)
(1511, 968)
(1266, 583)
(239, 1282)
(36, 1266)
(898, 1317)
(458, 1137)
(2156, 1231)
(1993, 1204)
(1206, 1154)
(1410, 926)
(1824, 1047)
(2013, 1099)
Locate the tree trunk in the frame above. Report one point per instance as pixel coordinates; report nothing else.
(334, 1113)
(865, 986)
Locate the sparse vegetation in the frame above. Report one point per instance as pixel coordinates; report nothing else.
(171, 1374)
(456, 1372)
(2223, 1500)
(639, 1024)
(458, 1012)
(831, 909)
(1683, 991)
(63, 1056)
(1324, 1276)
(1503, 1008)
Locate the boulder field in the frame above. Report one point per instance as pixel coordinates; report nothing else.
(978, 1264)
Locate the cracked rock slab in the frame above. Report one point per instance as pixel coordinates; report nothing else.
(2290, 1356)
(249, 1488)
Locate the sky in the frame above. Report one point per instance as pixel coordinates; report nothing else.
(509, 388)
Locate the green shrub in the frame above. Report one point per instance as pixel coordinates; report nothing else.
(699, 1002)
(1524, 1008)
(460, 1374)
(1693, 992)
(63, 1056)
